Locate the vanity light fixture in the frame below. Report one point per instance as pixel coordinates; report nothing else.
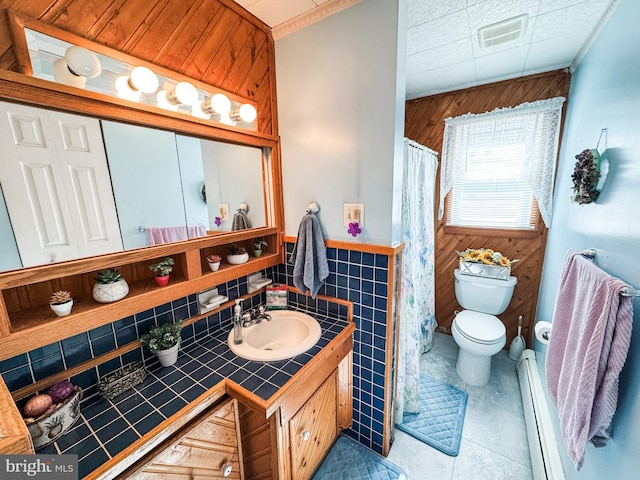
(77, 65)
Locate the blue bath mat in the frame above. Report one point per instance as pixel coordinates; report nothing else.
(441, 416)
(349, 460)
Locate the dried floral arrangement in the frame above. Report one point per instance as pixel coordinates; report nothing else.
(485, 256)
(586, 174)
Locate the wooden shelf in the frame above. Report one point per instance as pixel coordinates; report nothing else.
(27, 322)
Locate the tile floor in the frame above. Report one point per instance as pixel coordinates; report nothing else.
(494, 440)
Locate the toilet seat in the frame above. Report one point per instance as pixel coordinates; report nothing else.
(479, 327)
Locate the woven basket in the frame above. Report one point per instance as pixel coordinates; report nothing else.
(487, 271)
(122, 379)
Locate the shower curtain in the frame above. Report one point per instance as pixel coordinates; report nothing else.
(417, 304)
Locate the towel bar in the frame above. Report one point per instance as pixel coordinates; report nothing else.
(626, 292)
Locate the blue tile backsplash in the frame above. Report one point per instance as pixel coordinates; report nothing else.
(359, 277)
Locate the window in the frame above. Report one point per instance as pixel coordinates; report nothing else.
(498, 167)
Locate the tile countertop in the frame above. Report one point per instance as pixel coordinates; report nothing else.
(107, 427)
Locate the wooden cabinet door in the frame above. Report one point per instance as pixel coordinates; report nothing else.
(313, 429)
(201, 452)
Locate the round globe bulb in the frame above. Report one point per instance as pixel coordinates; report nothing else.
(124, 90)
(62, 74)
(248, 113)
(186, 93)
(220, 104)
(144, 79)
(82, 62)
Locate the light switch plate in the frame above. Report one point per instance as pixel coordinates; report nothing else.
(223, 212)
(354, 212)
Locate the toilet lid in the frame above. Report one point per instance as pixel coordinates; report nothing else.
(480, 326)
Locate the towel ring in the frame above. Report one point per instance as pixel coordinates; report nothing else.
(244, 207)
(314, 207)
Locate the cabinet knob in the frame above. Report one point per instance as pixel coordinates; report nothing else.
(305, 435)
(226, 469)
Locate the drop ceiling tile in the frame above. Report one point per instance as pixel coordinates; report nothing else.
(275, 12)
(576, 21)
(437, 32)
(501, 65)
(552, 54)
(421, 11)
(434, 58)
(492, 11)
(452, 77)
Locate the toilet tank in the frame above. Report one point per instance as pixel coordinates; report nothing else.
(481, 294)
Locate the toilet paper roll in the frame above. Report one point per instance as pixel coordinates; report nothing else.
(542, 331)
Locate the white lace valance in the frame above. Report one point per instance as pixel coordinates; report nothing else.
(539, 123)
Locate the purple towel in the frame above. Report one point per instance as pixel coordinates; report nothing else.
(586, 352)
(162, 235)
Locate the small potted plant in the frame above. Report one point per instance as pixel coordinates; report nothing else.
(257, 247)
(61, 303)
(162, 269)
(237, 255)
(164, 341)
(110, 286)
(214, 262)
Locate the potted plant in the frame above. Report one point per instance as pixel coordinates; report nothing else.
(237, 255)
(162, 269)
(61, 303)
(110, 286)
(164, 341)
(214, 262)
(257, 247)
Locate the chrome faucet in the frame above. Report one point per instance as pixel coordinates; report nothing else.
(256, 315)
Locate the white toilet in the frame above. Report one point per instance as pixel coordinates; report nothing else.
(476, 329)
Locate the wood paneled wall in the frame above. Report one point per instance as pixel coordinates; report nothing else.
(214, 41)
(424, 123)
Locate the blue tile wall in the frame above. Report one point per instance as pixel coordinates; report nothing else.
(359, 277)
(25, 369)
(362, 278)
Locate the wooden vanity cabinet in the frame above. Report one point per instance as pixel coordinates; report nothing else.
(208, 448)
(313, 430)
(291, 443)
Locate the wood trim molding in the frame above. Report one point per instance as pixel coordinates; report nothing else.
(312, 16)
(358, 247)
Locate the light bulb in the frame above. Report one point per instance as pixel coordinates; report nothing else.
(220, 104)
(199, 110)
(248, 113)
(163, 101)
(82, 62)
(183, 93)
(62, 74)
(124, 90)
(143, 79)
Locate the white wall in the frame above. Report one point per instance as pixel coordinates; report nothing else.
(340, 90)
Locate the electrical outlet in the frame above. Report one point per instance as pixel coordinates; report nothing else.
(223, 212)
(354, 212)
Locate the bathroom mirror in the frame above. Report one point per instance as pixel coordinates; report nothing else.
(145, 179)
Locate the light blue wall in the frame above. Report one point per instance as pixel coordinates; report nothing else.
(192, 179)
(9, 256)
(146, 179)
(340, 95)
(605, 93)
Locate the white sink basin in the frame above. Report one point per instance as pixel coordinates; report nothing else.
(287, 334)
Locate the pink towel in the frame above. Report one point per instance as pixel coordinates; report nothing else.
(587, 349)
(160, 235)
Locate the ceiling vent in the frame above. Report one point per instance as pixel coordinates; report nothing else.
(503, 32)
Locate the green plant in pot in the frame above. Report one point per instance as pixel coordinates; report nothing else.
(257, 247)
(162, 269)
(164, 341)
(237, 255)
(110, 286)
(61, 303)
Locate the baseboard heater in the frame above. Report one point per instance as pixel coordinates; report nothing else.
(545, 458)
